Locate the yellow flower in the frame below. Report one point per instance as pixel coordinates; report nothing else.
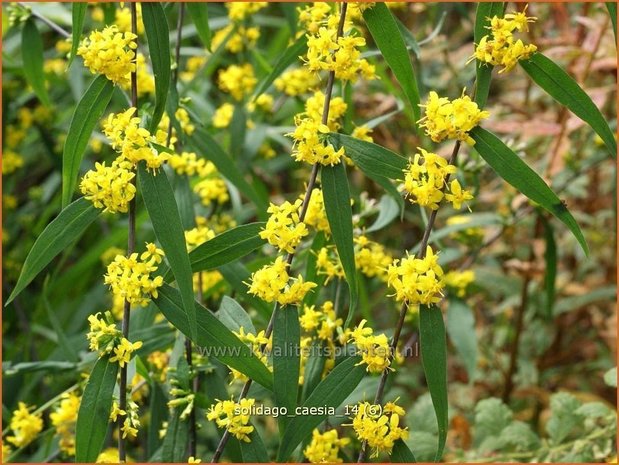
(188, 163)
(328, 264)
(123, 352)
(316, 216)
(223, 115)
(324, 447)
(459, 280)
(103, 333)
(123, 19)
(11, 161)
(212, 189)
(238, 11)
(362, 133)
(371, 258)
(111, 53)
(24, 425)
(233, 416)
(192, 459)
(379, 427)
(270, 283)
(110, 188)
(110, 455)
(238, 81)
(374, 350)
(239, 38)
(296, 81)
(198, 235)
(457, 196)
(283, 228)
(445, 119)
(193, 65)
(415, 280)
(63, 419)
(159, 362)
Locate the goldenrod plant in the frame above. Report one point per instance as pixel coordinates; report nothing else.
(308, 232)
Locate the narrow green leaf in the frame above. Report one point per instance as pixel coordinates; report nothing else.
(562, 87)
(388, 38)
(612, 11)
(517, 173)
(174, 443)
(32, 59)
(70, 351)
(158, 414)
(401, 453)
(550, 257)
(286, 361)
(78, 11)
(331, 392)
(158, 36)
(255, 450)
(213, 335)
(434, 359)
(184, 198)
(163, 212)
(199, 15)
(290, 56)
(234, 316)
(461, 330)
(88, 113)
(339, 214)
(94, 413)
(409, 38)
(207, 147)
(311, 271)
(57, 236)
(313, 370)
(485, 12)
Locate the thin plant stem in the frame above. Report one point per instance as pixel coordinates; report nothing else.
(402, 316)
(122, 402)
(304, 206)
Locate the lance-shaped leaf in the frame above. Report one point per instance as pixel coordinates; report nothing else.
(331, 392)
(612, 11)
(401, 453)
(199, 14)
(434, 359)
(286, 361)
(78, 11)
(517, 173)
(213, 335)
(339, 214)
(254, 451)
(158, 36)
(56, 237)
(388, 38)
(94, 413)
(560, 86)
(485, 12)
(163, 212)
(87, 114)
(32, 57)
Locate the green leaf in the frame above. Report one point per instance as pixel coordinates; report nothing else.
(434, 359)
(88, 113)
(163, 212)
(158, 414)
(207, 147)
(550, 257)
(388, 38)
(339, 214)
(94, 413)
(290, 56)
(199, 16)
(32, 59)
(388, 210)
(56, 237)
(78, 11)
(255, 450)
(286, 361)
(562, 87)
(213, 335)
(461, 329)
(401, 453)
(612, 11)
(313, 369)
(184, 198)
(517, 173)
(485, 12)
(174, 443)
(158, 36)
(234, 316)
(331, 392)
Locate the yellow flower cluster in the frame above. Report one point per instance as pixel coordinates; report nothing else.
(237, 80)
(308, 143)
(445, 119)
(124, 350)
(467, 235)
(24, 425)
(323, 321)
(223, 115)
(238, 11)
(313, 15)
(316, 216)
(193, 65)
(371, 258)
(110, 187)
(131, 141)
(296, 82)
(241, 38)
(500, 48)
(111, 53)
(212, 189)
(379, 426)
(188, 163)
(110, 455)
(11, 162)
(425, 183)
(256, 342)
(105, 338)
(271, 283)
(459, 280)
(283, 228)
(233, 416)
(325, 447)
(146, 81)
(131, 423)
(416, 280)
(198, 235)
(63, 419)
(374, 350)
(123, 19)
(131, 278)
